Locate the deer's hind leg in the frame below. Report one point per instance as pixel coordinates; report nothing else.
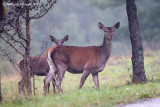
(21, 87)
(47, 80)
(83, 78)
(54, 84)
(61, 69)
(47, 86)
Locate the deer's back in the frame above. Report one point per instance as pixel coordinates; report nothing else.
(77, 58)
(38, 65)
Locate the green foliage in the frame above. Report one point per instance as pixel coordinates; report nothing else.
(145, 95)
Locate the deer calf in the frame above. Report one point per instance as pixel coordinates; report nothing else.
(38, 65)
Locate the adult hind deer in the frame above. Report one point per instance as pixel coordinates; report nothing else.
(38, 65)
(85, 60)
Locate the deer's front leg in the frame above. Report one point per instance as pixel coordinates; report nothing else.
(95, 79)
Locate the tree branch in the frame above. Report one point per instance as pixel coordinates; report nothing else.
(13, 38)
(37, 16)
(11, 45)
(17, 28)
(10, 59)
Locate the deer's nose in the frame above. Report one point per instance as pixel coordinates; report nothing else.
(111, 35)
(58, 42)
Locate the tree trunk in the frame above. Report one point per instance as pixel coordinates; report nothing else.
(1, 13)
(0, 89)
(27, 54)
(139, 75)
(1, 18)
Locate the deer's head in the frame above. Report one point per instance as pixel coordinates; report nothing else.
(109, 31)
(58, 41)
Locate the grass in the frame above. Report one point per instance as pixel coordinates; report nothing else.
(115, 87)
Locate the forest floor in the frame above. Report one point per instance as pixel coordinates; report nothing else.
(116, 88)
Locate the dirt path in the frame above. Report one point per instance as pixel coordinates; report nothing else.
(149, 103)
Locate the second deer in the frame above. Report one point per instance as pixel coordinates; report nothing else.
(38, 65)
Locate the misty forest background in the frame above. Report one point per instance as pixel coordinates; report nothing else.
(79, 19)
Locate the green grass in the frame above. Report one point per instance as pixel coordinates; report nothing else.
(115, 87)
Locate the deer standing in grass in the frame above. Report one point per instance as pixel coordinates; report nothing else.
(85, 60)
(38, 65)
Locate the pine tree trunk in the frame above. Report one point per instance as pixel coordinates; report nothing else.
(139, 75)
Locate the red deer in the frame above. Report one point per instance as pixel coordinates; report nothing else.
(38, 64)
(85, 60)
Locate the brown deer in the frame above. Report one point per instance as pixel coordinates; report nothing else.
(85, 60)
(38, 64)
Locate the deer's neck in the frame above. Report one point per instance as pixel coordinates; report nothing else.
(106, 50)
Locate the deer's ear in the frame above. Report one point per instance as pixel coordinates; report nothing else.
(53, 39)
(117, 25)
(101, 26)
(66, 38)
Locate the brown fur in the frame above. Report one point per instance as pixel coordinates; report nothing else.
(46, 52)
(49, 50)
(86, 60)
(18, 62)
(38, 64)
